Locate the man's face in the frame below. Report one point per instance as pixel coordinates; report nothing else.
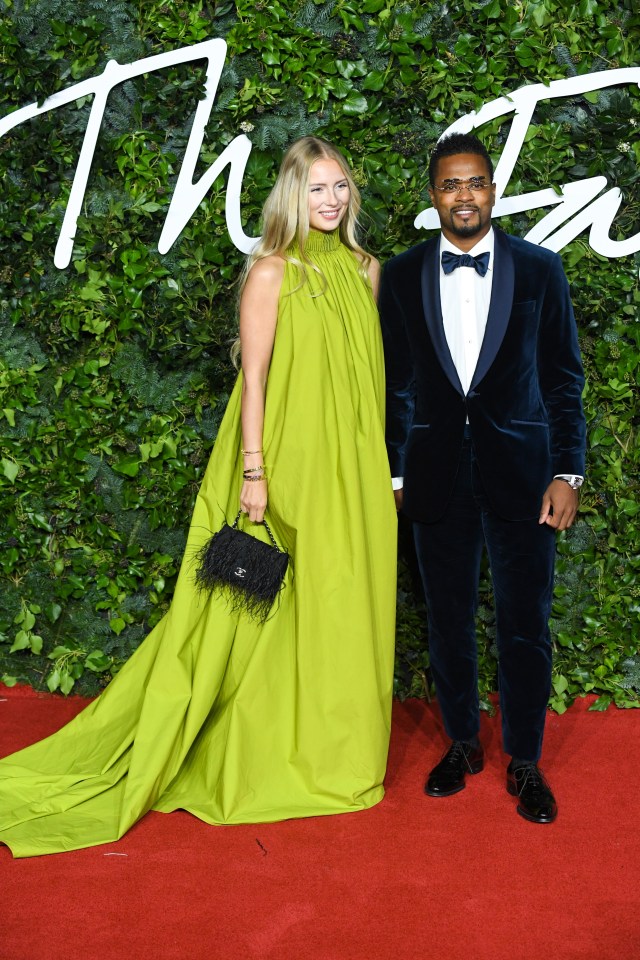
(465, 212)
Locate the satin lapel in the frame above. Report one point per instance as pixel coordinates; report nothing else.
(433, 310)
(499, 307)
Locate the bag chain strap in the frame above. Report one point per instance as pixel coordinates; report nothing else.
(266, 526)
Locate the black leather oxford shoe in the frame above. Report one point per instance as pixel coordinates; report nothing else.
(447, 777)
(535, 799)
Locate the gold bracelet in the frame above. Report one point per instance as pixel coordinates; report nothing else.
(255, 479)
(247, 453)
(255, 469)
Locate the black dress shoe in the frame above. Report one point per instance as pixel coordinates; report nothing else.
(535, 799)
(447, 777)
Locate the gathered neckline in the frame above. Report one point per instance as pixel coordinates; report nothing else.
(320, 241)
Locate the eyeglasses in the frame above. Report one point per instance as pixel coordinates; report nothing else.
(456, 186)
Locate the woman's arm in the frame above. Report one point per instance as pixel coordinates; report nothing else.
(258, 318)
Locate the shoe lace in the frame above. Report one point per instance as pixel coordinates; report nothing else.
(457, 752)
(530, 776)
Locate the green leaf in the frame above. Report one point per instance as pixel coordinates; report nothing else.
(601, 703)
(52, 611)
(97, 661)
(60, 651)
(91, 293)
(67, 682)
(339, 87)
(168, 445)
(128, 465)
(10, 469)
(560, 684)
(558, 704)
(354, 104)
(493, 10)
(351, 68)
(35, 642)
(374, 80)
(21, 641)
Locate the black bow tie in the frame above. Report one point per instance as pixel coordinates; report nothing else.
(452, 260)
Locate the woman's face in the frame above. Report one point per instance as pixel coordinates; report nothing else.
(328, 195)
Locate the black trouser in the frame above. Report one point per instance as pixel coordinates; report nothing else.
(521, 556)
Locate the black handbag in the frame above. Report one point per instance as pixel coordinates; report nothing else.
(247, 572)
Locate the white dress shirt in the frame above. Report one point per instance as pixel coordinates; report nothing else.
(464, 298)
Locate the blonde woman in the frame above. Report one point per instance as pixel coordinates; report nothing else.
(235, 721)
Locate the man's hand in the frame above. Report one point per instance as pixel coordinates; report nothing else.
(559, 505)
(397, 495)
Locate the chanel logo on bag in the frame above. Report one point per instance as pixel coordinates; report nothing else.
(239, 572)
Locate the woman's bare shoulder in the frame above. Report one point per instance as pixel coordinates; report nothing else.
(268, 271)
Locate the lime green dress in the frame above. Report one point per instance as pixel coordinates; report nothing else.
(234, 721)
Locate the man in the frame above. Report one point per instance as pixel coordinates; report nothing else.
(486, 439)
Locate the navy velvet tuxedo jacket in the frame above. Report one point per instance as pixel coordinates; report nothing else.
(524, 403)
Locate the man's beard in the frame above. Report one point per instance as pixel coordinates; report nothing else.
(469, 229)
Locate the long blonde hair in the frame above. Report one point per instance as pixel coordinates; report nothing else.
(285, 215)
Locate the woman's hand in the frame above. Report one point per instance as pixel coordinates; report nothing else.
(253, 499)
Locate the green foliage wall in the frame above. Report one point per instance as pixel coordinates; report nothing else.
(115, 372)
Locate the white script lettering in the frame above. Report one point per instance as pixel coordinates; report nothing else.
(578, 200)
(187, 194)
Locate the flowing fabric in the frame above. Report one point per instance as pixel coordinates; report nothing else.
(234, 721)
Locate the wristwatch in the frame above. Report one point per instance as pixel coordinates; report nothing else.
(574, 482)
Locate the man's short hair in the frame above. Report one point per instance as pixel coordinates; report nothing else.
(453, 144)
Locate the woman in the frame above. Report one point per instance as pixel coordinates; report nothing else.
(235, 721)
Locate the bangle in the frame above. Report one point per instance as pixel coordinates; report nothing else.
(254, 469)
(246, 453)
(255, 479)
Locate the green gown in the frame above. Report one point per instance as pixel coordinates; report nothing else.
(234, 721)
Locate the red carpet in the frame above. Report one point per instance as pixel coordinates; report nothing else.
(458, 879)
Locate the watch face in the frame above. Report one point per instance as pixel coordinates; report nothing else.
(574, 482)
